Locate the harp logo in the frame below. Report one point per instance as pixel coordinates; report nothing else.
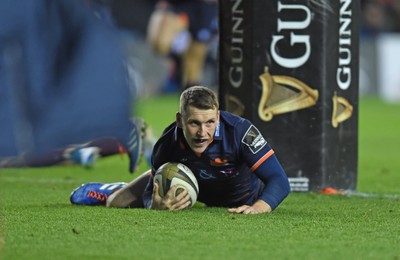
(342, 110)
(283, 94)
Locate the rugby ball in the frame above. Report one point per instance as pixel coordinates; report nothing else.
(170, 174)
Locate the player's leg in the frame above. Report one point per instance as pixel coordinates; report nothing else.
(203, 28)
(140, 142)
(48, 159)
(193, 62)
(117, 195)
(130, 196)
(84, 154)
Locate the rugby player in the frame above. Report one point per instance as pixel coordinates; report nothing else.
(232, 161)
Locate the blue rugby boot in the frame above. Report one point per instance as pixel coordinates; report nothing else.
(141, 142)
(135, 143)
(149, 141)
(94, 193)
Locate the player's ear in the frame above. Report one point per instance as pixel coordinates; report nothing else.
(178, 119)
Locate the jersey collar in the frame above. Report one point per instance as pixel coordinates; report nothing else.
(219, 131)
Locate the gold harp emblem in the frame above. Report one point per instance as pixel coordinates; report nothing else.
(342, 110)
(283, 94)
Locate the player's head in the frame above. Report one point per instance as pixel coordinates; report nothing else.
(199, 97)
(198, 116)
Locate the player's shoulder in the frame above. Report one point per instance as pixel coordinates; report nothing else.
(166, 137)
(169, 130)
(240, 127)
(234, 121)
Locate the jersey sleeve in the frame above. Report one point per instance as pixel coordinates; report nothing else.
(275, 180)
(261, 160)
(148, 193)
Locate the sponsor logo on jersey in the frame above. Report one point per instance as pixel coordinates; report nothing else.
(206, 175)
(253, 139)
(218, 162)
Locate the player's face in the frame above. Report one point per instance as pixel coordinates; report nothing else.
(198, 127)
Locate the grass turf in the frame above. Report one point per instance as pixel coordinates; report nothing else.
(38, 222)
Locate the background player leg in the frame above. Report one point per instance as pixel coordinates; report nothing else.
(193, 63)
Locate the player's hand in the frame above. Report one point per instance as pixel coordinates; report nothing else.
(170, 201)
(257, 208)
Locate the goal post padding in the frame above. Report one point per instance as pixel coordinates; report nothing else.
(291, 67)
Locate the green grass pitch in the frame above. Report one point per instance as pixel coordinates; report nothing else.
(38, 222)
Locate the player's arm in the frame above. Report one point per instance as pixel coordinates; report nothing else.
(152, 199)
(275, 191)
(276, 182)
(263, 162)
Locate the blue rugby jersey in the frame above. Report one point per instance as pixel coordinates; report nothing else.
(237, 168)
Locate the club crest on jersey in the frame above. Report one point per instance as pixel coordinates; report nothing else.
(253, 139)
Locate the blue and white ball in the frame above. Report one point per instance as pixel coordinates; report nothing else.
(170, 174)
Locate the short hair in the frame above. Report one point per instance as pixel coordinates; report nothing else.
(199, 97)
